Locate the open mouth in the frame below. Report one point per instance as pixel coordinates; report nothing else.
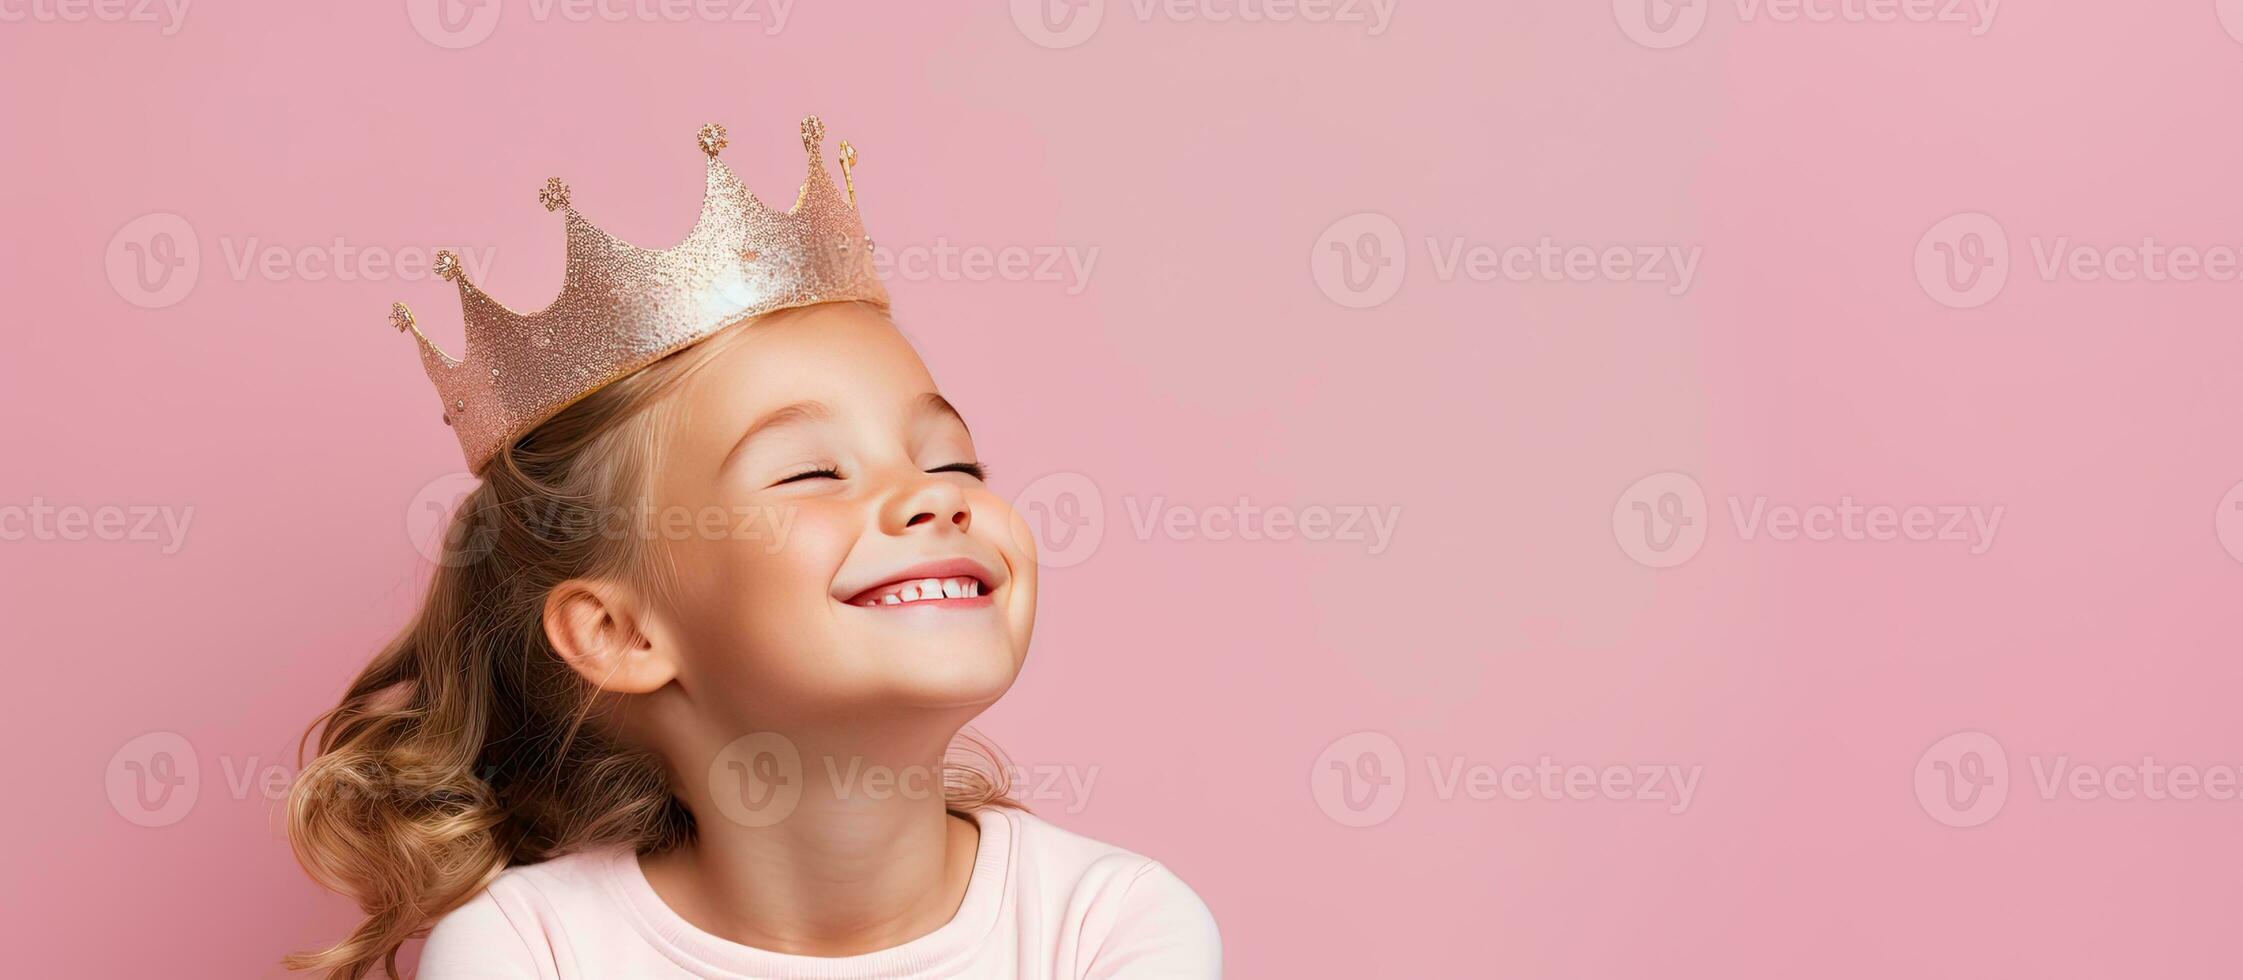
(950, 583)
(919, 590)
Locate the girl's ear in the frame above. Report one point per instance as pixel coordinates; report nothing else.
(603, 631)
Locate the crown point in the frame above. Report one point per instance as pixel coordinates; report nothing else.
(712, 139)
(555, 195)
(848, 166)
(622, 303)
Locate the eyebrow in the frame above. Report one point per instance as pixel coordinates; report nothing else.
(932, 402)
(795, 414)
(816, 411)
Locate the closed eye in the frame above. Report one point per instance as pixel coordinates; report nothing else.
(975, 470)
(821, 473)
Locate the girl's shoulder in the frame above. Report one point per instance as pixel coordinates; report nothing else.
(583, 878)
(1146, 913)
(1036, 885)
(1054, 852)
(529, 915)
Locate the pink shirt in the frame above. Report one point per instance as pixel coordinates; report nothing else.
(1042, 903)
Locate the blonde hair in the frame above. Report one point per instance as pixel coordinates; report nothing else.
(463, 748)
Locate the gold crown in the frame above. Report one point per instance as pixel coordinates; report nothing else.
(623, 307)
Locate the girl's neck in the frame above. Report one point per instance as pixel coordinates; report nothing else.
(866, 859)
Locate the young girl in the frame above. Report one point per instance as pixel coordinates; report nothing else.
(686, 694)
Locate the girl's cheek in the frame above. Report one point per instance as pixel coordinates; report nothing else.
(811, 541)
(1011, 532)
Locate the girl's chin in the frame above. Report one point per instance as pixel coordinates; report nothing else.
(870, 670)
(938, 678)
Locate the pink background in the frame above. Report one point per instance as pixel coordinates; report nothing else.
(1205, 361)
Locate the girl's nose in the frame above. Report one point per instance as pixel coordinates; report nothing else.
(930, 503)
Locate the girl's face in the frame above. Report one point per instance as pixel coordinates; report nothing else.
(843, 552)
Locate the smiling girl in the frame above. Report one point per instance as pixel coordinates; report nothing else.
(658, 754)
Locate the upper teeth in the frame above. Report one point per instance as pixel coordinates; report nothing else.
(926, 588)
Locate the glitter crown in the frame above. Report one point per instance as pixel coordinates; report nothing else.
(623, 307)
